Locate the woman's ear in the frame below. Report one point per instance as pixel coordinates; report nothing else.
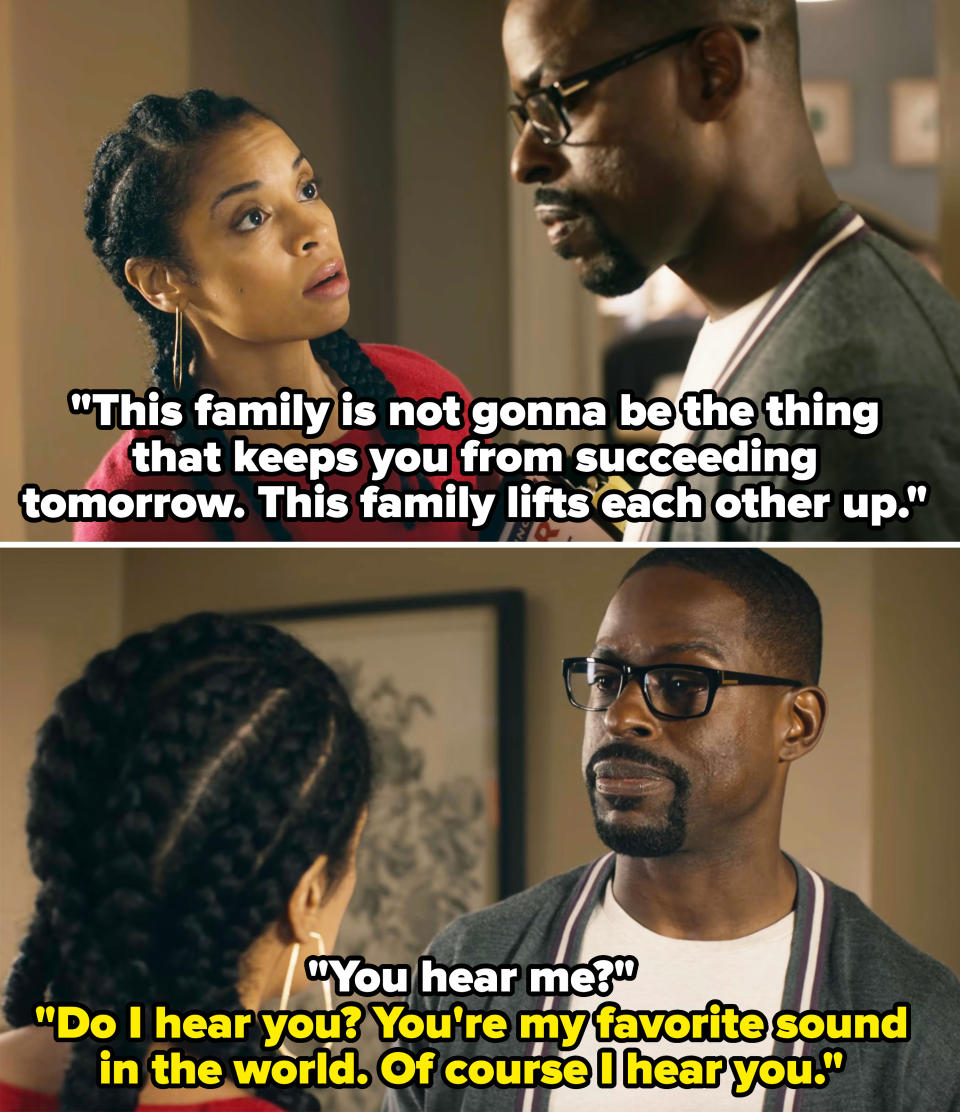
(158, 283)
(315, 905)
(303, 907)
(807, 713)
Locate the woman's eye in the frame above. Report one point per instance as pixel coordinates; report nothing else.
(310, 190)
(254, 218)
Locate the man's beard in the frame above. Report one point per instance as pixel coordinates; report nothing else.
(615, 270)
(641, 841)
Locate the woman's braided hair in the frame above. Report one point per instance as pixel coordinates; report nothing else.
(138, 193)
(181, 788)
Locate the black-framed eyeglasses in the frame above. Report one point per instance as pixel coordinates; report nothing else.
(544, 109)
(670, 690)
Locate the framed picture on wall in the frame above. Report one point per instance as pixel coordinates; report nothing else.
(830, 112)
(915, 122)
(439, 681)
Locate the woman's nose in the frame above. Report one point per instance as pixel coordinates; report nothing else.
(310, 229)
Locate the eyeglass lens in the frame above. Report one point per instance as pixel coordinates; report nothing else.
(678, 692)
(542, 113)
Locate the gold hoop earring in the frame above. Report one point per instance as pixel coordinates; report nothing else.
(288, 983)
(292, 965)
(325, 982)
(288, 980)
(177, 369)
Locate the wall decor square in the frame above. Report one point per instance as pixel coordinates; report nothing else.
(915, 122)
(830, 112)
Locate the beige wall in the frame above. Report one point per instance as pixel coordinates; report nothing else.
(449, 108)
(11, 412)
(916, 835)
(828, 812)
(57, 608)
(948, 50)
(76, 70)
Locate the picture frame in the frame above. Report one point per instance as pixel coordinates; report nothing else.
(829, 107)
(440, 681)
(915, 122)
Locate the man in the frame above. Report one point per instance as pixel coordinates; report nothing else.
(698, 695)
(673, 132)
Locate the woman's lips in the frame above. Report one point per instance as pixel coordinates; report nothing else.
(329, 281)
(619, 776)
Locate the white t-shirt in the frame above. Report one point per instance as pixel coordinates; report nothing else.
(716, 343)
(677, 974)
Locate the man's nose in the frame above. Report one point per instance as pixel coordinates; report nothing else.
(629, 714)
(533, 162)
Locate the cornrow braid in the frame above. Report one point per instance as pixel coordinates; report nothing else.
(180, 790)
(138, 193)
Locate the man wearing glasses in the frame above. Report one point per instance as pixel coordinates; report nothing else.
(673, 132)
(698, 695)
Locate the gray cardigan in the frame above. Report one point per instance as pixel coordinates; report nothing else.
(842, 958)
(867, 322)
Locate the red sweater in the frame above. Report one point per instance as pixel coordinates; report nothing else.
(412, 376)
(13, 1099)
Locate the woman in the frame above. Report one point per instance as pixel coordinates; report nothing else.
(195, 806)
(210, 220)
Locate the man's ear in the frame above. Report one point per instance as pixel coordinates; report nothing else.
(714, 73)
(304, 905)
(807, 713)
(161, 285)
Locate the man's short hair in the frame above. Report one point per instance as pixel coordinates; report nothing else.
(783, 612)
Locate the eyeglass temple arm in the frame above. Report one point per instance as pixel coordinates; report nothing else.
(735, 679)
(582, 80)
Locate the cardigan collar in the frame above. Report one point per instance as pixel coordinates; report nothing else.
(801, 986)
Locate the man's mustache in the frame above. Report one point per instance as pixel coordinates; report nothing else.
(625, 751)
(562, 198)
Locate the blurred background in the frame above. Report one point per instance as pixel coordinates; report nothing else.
(400, 104)
(873, 807)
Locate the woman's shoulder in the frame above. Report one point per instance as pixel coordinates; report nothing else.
(115, 471)
(413, 375)
(15, 1099)
(32, 1066)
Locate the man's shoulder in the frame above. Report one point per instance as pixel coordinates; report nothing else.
(871, 317)
(494, 934)
(903, 279)
(868, 957)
